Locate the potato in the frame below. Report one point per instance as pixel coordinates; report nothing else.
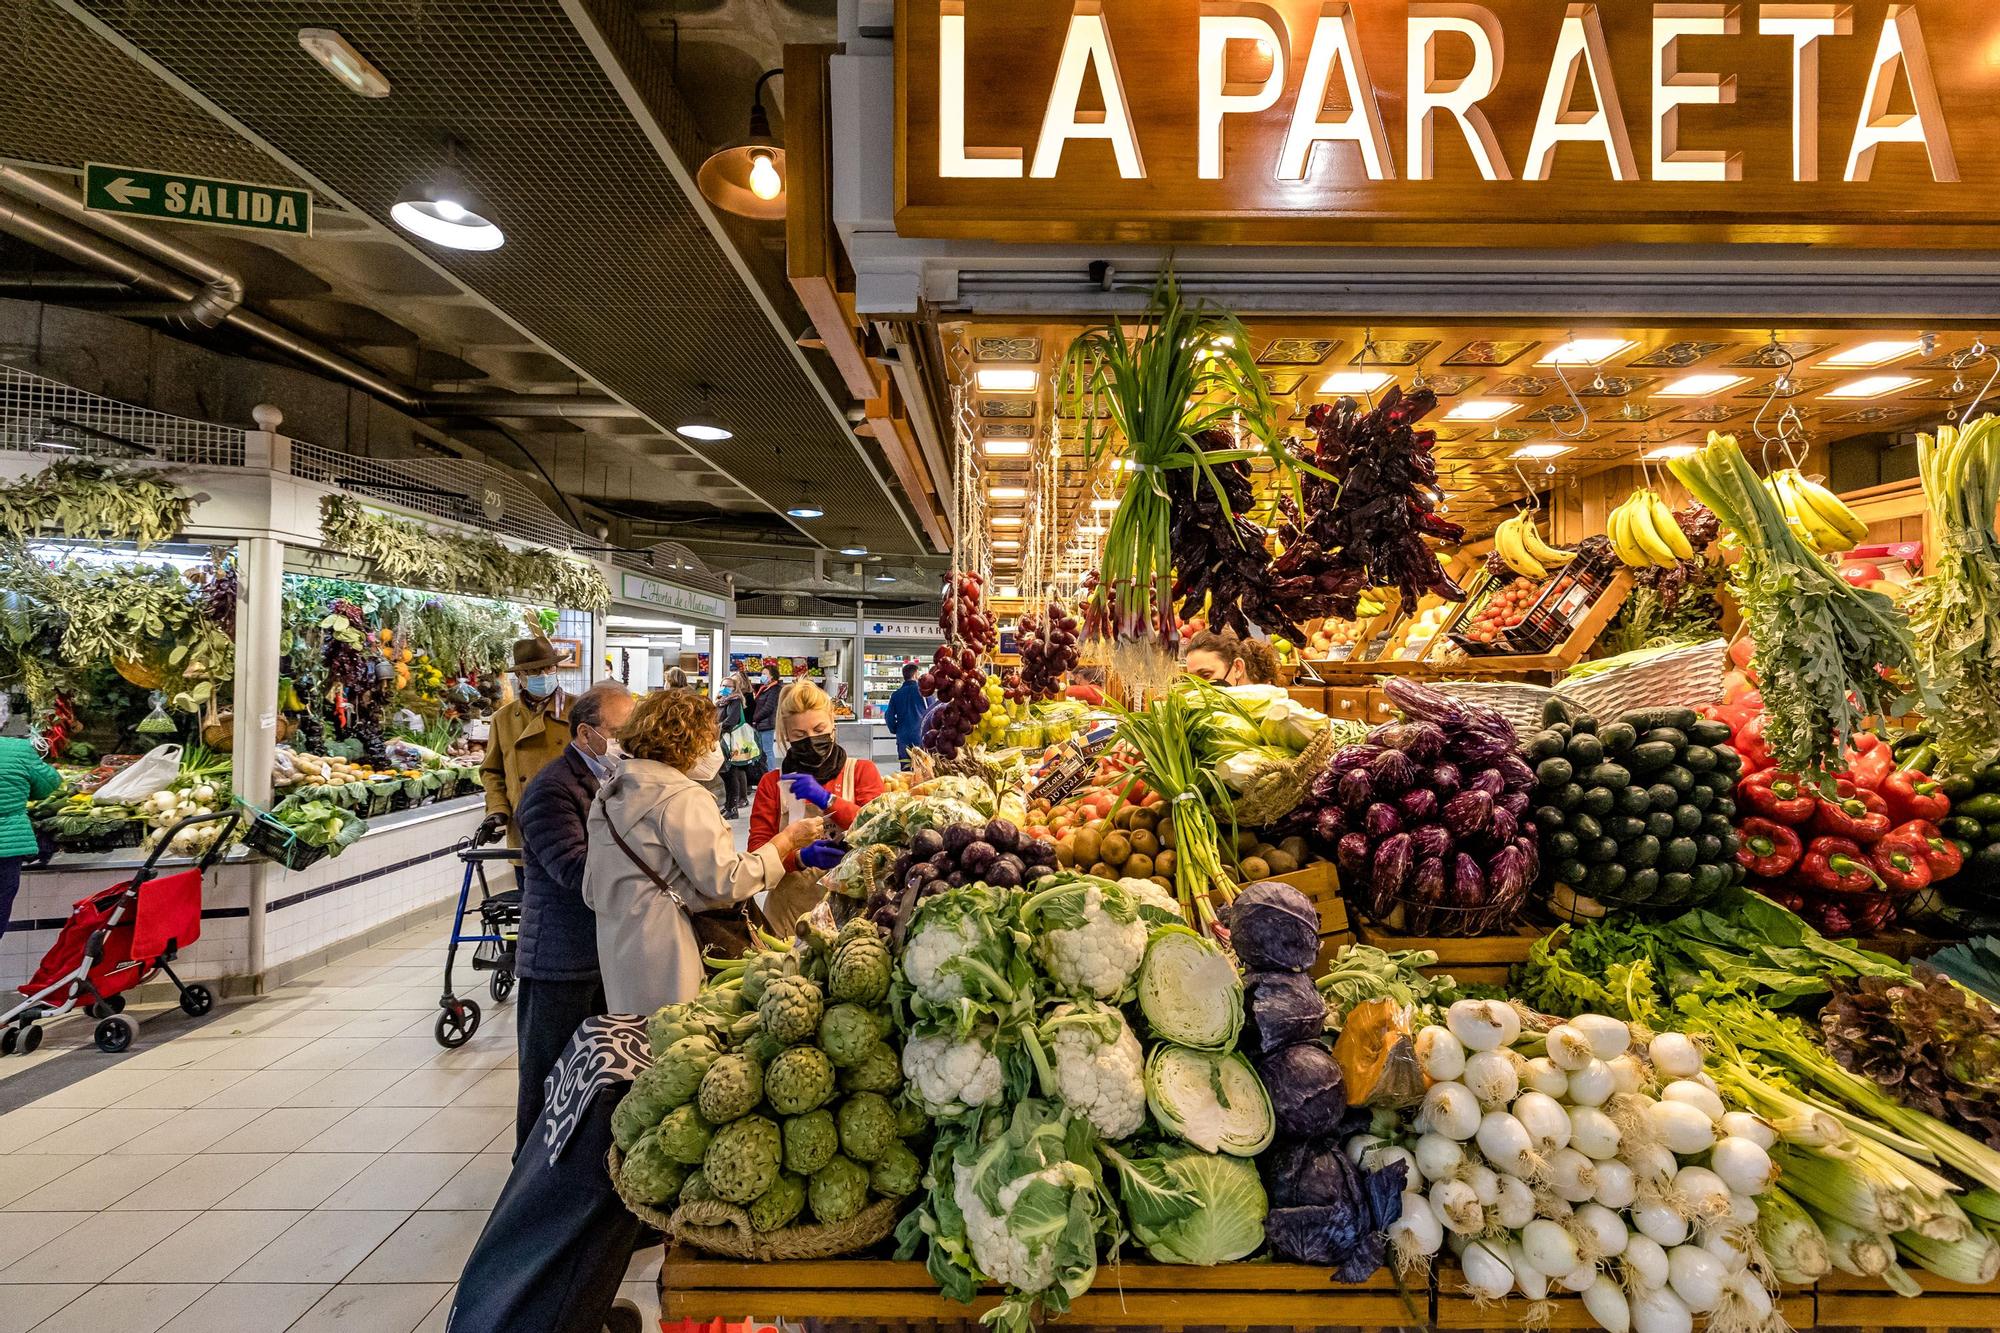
(1144, 842)
(1138, 865)
(1103, 871)
(1281, 861)
(1115, 848)
(1085, 844)
(1246, 842)
(1296, 848)
(1163, 864)
(1255, 868)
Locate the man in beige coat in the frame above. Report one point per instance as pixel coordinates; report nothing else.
(525, 735)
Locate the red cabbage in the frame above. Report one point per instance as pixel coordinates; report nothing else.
(1274, 928)
(1280, 1008)
(1308, 1091)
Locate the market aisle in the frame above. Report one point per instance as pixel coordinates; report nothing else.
(307, 1160)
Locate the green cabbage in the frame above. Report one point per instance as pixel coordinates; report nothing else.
(1213, 1099)
(1189, 990)
(1227, 1221)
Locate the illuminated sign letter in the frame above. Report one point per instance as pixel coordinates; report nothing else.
(1087, 47)
(1674, 89)
(1901, 47)
(955, 160)
(1334, 37)
(1220, 97)
(1805, 25)
(1580, 49)
(1429, 94)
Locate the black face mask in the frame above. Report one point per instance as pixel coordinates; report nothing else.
(817, 755)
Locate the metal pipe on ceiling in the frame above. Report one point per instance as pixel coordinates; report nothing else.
(64, 283)
(578, 407)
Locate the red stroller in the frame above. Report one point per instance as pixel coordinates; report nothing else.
(115, 939)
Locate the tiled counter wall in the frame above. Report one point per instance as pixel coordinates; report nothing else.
(48, 892)
(404, 864)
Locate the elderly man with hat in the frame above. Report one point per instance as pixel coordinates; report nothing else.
(525, 735)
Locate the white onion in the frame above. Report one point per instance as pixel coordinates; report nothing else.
(1485, 1184)
(1749, 1289)
(1694, 1094)
(1579, 1278)
(1683, 1128)
(1572, 1175)
(1652, 1163)
(1742, 1210)
(1487, 1273)
(1516, 1206)
(1628, 1074)
(1704, 1192)
(1375, 1159)
(1731, 1248)
(1483, 1025)
(1541, 1075)
(1418, 1230)
(1607, 1305)
(1507, 1144)
(1569, 1049)
(1360, 1144)
(1617, 1187)
(1645, 1262)
(1492, 1077)
(1744, 1125)
(1743, 1165)
(1549, 1247)
(1696, 1276)
(1593, 1133)
(1457, 1207)
(1660, 1222)
(1450, 1109)
(1605, 1229)
(1591, 1084)
(1609, 1037)
(1545, 1120)
(1675, 1055)
(1660, 1311)
(1437, 1157)
(1532, 1281)
(1440, 1054)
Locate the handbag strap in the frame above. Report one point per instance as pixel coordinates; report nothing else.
(659, 881)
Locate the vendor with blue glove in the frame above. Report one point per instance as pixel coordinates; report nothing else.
(815, 778)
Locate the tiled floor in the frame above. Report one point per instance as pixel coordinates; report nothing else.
(309, 1160)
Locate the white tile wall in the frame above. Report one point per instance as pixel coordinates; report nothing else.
(47, 895)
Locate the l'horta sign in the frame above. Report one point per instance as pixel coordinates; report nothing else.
(1437, 121)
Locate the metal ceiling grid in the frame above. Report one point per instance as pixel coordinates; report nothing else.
(607, 262)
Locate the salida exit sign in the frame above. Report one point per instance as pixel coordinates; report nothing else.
(205, 200)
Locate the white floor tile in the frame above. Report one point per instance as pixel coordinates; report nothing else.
(327, 1053)
(209, 1248)
(97, 1184)
(103, 1131)
(302, 1180)
(371, 1129)
(284, 1129)
(19, 1129)
(461, 1129)
(372, 1309)
(477, 1184)
(251, 1052)
(24, 1233)
(496, 1087)
(387, 1023)
(264, 1088)
(440, 1314)
(24, 1173)
(261, 1307)
(191, 1131)
(202, 1181)
(21, 1308)
(105, 1088)
(139, 1308)
(429, 1247)
(183, 1088)
(403, 1053)
(98, 1249)
(430, 1087)
(345, 1087)
(398, 1180)
(320, 1247)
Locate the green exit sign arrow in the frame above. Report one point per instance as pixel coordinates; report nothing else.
(203, 200)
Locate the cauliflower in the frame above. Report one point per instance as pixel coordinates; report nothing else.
(1098, 1067)
(1156, 905)
(994, 1249)
(949, 1077)
(960, 950)
(1088, 935)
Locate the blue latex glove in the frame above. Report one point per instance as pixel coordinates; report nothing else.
(822, 855)
(807, 788)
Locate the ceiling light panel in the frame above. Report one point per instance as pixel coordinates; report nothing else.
(1007, 448)
(1007, 379)
(1877, 353)
(1481, 409)
(1872, 386)
(1666, 451)
(1542, 451)
(1586, 351)
(1701, 386)
(1356, 381)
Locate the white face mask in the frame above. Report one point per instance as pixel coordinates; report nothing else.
(705, 768)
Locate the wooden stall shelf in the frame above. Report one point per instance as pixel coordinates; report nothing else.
(1846, 1301)
(1378, 708)
(1308, 696)
(1479, 959)
(1457, 1310)
(1347, 701)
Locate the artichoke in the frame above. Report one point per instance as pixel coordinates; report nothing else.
(867, 1126)
(732, 1087)
(791, 1008)
(680, 1071)
(878, 1071)
(669, 1024)
(910, 1119)
(684, 1135)
(859, 972)
(848, 1032)
(838, 1190)
(810, 1142)
(695, 1190)
(798, 1081)
(778, 1205)
(763, 968)
(648, 1174)
(723, 1002)
(898, 1172)
(742, 1159)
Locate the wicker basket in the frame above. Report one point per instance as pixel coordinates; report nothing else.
(724, 1229)
(1684, 678)
(1520, 704)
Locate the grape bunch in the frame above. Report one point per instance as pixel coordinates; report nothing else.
(959, 686)
(963, 617)
(1047, 654)
(1014, 687)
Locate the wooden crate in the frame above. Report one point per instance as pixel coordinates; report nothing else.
(1480, 959)
(869, 1294)
(1846, 1301)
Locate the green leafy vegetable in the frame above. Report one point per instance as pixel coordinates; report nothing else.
(1192, 1207)
(1933, 1045)
(1955, 611)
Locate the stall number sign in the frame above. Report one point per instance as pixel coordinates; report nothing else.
(653, 592)
(1324, 120)
(200, 199)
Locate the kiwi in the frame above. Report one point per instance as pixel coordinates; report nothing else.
(1115, 848)
(1144, 842)
(1281, 861)
(1255, 868)
(1123, 819)
(1166, 832)
(1163, 863)
(1086, 843)
(1138, 866)
(1296, 848)
(1145, 817)
(1164, 882)
(1103, 871)
(1246, 842)
(1066, 852)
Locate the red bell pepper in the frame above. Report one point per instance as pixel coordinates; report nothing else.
(1750, 743)
(1901, 865)
(1768, 848)
(1776, 796)
(1869, 762)
(1837, 865)
(1910, 795)
(1854, 812)
(1940, 853)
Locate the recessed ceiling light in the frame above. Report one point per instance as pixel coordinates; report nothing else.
(1542, 450)
(1007, 379)
(1355, 381)
(1010, 591)
(1102, 505)
(1878, 353)
(1005, 520)
(443, 220)
(1006, 544)
(1092, 529)
(1481, 409)
(885, 578)
(1584, 351)
(1666, 451)
(341, 60)
(1701, 386)
(1007, 448)
(1007, 492)
(806, 511)
(1872, 386)
(854, 550)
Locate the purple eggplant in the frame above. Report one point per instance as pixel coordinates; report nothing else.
(1430, 841)
(1504, 875)
(1388, 736)
(1531, 857)
(1515, 770)
(1394, 772)
(1325, 786)
(1489, 781)
(1350, 757)
(1381, 820)
(1418, 804)
(1516, 803)
(1505, 826)
(1427, 884)
(1392, 865)
(1351, 853)
(1357, 789)
(1447, 780)
(1424, 740)
(1329, 824)
(1468, 813)
(1468, 882)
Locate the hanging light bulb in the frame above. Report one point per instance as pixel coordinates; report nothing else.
(747, 178)
(765, 182)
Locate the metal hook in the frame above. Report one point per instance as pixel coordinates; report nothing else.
(1979, 349)
(1582, 411)
(1528, 496)
(1778, 385)
(1367, 346)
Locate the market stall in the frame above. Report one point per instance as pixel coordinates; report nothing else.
(667, 611)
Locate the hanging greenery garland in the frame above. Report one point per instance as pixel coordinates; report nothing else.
(412, 555)
(83, 498)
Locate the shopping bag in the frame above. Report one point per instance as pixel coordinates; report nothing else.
(133, 784)
(741, 744)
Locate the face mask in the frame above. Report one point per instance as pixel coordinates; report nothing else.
(820, 756)
(705, 768)
(538, 687)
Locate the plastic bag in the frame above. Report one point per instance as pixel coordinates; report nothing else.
(1378, 1056)
(160, 766)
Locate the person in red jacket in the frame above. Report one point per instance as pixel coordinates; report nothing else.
(814, 778)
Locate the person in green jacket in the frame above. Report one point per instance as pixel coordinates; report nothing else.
(24, 776)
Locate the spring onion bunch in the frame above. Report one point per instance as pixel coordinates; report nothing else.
(1163, 735)
(1955, 612)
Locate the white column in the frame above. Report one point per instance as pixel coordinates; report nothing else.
(857, 670)
(718, 659)
(259, 591)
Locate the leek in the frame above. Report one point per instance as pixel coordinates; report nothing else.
(1791, 1239)
(1851, 1250)
(1973, 1259)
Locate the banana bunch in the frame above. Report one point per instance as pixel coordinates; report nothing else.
(1644, 534)
(1369, 605)
(1519, 541)
(1816, 516)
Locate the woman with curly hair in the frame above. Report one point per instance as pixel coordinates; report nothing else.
(659, 850)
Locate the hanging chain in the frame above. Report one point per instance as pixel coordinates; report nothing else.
(968, 547)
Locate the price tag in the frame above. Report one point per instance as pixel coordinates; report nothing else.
(267, 721)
